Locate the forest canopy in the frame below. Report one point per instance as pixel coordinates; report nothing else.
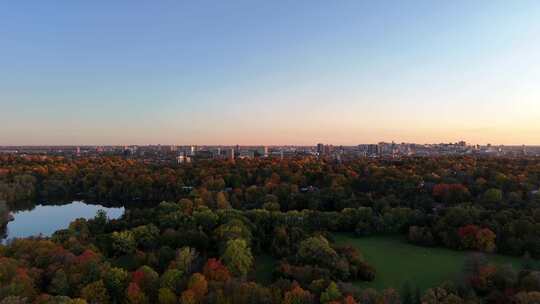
(192, 233)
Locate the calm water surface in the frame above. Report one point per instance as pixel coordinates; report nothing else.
(46, 219)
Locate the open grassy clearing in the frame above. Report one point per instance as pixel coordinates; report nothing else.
(398, 262)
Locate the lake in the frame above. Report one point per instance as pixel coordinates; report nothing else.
(46, 219)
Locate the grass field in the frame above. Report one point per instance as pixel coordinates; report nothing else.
(264, 265)
(398, 262)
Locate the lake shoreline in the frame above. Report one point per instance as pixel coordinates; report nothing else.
(45, 219)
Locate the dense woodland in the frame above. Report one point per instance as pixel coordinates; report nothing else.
(192, 233)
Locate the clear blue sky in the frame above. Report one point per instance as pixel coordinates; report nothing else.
(269, 72)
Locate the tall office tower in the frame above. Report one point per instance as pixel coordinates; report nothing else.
(328, 150)
(372, 150)
(229, 153)
(320, 149)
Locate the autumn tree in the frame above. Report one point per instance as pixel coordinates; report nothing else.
(95, 293)
(172, 279)
(123, 242)
(188, 297)
(134, 294)
(116, 281)
(221, 201)
(214, 270)
(185, 257)
(317, 250)
(237, 256)
(147, 279)
(297, 295)
(166, 296)
(331, 294)
(198, 284)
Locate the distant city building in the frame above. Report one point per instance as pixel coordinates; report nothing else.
(183, 159)
(265, 151)
(246, 153)
(229, 154)
(204, 154)
(328, 149)
(369, 150)
(216, 153)
(320, 149)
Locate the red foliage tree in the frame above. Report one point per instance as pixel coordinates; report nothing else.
(467, 235)
(214, 270)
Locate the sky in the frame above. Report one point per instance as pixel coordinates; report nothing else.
(269, 72)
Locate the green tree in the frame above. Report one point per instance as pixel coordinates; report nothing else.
(233, 229)
(205, 218)
(317, 251)
(493, 196)
(166, 296)
(59, 284)
(331, 294)
(146, 236)
(97, 225)
(172, 280)
(237, 257)
(116, 281)
(95, 293)
(185, 257)
(123, 242)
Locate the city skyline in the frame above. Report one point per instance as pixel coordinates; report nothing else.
(228, 145)
(279, 73)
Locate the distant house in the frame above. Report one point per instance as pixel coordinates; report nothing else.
(309, 189)
(438, 207)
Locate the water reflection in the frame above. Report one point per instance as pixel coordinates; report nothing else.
(46, 219)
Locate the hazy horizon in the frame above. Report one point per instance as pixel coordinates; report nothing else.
(272, 73)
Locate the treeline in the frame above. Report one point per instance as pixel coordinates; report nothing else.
(291, 184)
